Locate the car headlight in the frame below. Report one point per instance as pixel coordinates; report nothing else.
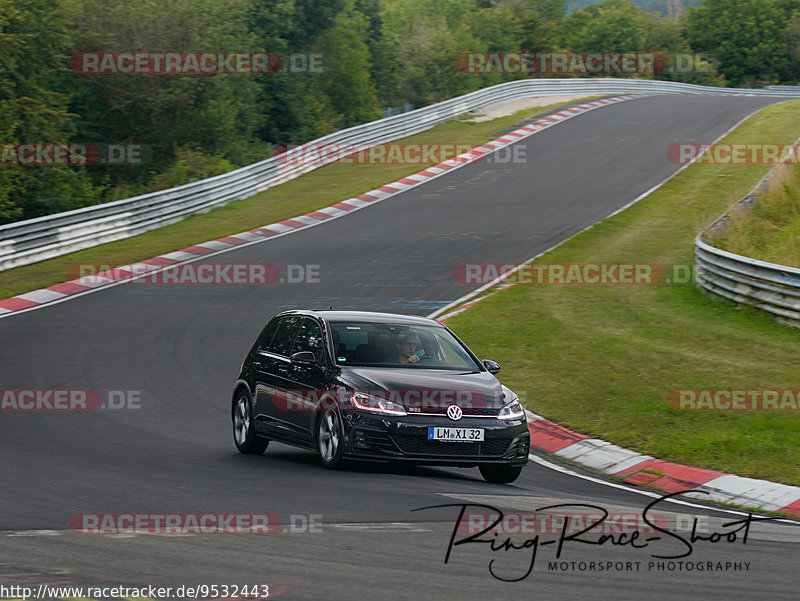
(513, 409)
(367, 402)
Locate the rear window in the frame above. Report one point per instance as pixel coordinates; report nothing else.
(282, 340)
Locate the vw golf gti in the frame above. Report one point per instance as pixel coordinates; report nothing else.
(377, 386)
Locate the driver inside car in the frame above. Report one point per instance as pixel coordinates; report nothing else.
(409, 348)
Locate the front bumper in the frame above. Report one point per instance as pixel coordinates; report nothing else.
(370, 436)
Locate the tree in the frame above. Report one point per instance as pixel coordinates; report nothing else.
(498, 27)
(218, 113)
(665, 36)
(430, 35)
(384, 65)
(540, 21)
(33, 107)
(294, 108)
(345, 80)
(613, 26)
(792, 72)
(745, 36)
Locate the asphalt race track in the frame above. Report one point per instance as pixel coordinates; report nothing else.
(177, 349)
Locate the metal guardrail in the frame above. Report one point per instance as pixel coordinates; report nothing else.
(768, 286)
(42, 238)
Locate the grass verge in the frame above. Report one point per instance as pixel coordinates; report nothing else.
(770, 230)
(315, 190)
(602, 359)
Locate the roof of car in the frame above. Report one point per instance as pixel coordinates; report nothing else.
(369, 316)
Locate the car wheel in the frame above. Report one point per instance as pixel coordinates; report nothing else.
(500, 474)
(330, 438)
(244, 435)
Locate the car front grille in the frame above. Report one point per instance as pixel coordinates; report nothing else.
(417, 445)
(468, 411)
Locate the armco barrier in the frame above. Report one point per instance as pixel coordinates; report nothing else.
(767, 286)
(37, 239)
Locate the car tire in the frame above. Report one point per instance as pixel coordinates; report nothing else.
(244, 434)
(500, 474)
(330, 438)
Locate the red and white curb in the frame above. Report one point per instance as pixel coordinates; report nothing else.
(629, 466)
(634, 468)
(65, 290)
(643, 470)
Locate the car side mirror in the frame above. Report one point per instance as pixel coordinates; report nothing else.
(491, 366)
(304, 358)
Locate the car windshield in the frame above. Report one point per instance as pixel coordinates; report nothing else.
(367, 344)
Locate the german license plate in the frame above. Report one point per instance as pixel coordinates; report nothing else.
(455, 434)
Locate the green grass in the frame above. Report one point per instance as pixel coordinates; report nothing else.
(770, 231)
(315, 190)
(601, 359)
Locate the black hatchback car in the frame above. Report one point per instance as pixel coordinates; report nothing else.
(377, 386)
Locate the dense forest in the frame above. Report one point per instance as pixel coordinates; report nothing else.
(343, 62)
(667, 8)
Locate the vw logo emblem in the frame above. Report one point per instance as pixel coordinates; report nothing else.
(454, 412)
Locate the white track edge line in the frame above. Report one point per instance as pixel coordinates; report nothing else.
(622, 98)
(647, 493)
(470, 295)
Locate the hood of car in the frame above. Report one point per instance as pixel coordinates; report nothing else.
(427, 388)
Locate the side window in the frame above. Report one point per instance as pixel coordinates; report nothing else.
(282, 340)
(450, 353)
(309, 338)
(266, 335)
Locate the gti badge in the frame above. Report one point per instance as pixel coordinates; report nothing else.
(454, 412)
